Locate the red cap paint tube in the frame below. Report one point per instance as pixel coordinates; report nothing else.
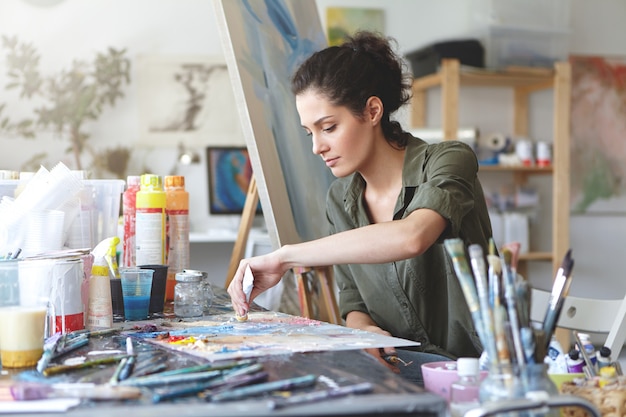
(575, 363)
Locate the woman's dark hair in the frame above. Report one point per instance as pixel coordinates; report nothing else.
(348, 75)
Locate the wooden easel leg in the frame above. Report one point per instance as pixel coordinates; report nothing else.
(327, 305)
(247, 217)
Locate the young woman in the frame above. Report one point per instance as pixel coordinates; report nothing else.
(396, 198)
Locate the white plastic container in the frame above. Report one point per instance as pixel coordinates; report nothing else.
(107, 197)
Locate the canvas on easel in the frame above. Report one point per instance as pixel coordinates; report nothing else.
(264, 42)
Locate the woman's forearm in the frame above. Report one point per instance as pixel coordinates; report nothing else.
(376, 243)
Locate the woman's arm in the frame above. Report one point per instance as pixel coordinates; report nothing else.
(376, 243)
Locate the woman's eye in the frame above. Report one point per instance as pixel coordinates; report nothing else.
(330, 129)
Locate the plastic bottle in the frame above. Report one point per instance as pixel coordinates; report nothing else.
(150, 222)
(464, 393)
(129, 208)
(575, 363)
(585, 339)
(603, 357)
(100, 309)
(177, 213)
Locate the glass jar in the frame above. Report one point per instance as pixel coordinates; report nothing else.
(206, 285)
(501, 384)
(188, 295)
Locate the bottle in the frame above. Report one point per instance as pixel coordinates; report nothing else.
(585, 339)
(464, 392)
(575, 363)
(129, 209)
(603, 357)
(177, 236)
(100, 307)
(608, 376)
(188, 295)
(150, 222)
(207, 289)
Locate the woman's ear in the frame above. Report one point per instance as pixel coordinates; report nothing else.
(374, 110)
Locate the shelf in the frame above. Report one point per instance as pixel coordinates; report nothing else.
(470, 76)
(524, 81)
(536, 256)
(521, 168)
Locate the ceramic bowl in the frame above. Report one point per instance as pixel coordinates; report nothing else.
(438, 376)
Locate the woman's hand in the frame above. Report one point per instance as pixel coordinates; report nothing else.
(363, 321)
(267, 271)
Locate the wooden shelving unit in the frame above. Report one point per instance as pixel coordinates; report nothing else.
(524, 81)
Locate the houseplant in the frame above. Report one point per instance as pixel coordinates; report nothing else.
(67, 99)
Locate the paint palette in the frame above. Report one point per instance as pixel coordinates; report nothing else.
(265, 333)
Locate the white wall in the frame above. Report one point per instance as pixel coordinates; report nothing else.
(77, 29)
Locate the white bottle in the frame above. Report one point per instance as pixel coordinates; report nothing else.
(464, 392)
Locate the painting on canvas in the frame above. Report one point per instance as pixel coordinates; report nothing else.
(598, 135)
(264, 42)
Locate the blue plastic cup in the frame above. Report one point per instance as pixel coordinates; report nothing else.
(136, 290)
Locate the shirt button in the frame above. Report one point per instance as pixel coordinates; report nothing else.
(404, 305)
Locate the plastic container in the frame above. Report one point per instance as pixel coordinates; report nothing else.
(514, 46)
(537, 14)
(107, 198)
(129, 207)
(439, 376)
(177, 211)
(464, 393)
(8, 187)
(150, 222)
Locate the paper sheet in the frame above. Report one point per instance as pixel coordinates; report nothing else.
(59, 405)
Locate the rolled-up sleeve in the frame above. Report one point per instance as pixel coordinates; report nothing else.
(448, 186)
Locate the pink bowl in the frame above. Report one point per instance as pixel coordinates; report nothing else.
(438, 376)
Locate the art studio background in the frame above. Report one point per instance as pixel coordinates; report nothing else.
(152, 125)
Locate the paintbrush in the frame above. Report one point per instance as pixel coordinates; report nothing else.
(25, 391)
(559, 291)
(477, 260)
(157, 379)
(591, 370)
(509, 295)
(499, 311)
(456, 251)
(263, 388)
(55, 370)
(231, 379)
(309, 397)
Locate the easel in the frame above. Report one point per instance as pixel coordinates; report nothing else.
(328, 309)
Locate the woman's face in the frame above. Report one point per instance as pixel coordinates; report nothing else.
(341, 139)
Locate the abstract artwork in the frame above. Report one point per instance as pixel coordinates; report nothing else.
(345, 21)
(598, 135)
(185, 99)
(264, 42)
(222, 337)
(229, 174)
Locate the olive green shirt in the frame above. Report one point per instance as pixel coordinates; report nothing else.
(420, 298)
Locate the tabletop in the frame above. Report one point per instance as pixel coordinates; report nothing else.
(390, 394)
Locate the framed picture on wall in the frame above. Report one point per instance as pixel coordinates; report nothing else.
(185, 98)
(229, 173)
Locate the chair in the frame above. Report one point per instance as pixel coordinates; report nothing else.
(587, 315)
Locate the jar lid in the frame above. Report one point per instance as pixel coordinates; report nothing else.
(196, 272)
(467, 366)
(188, 277)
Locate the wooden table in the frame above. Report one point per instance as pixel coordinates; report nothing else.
(391, 395)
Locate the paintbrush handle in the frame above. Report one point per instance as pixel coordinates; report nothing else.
(59, 369)
(315, 396)
(280, 385)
